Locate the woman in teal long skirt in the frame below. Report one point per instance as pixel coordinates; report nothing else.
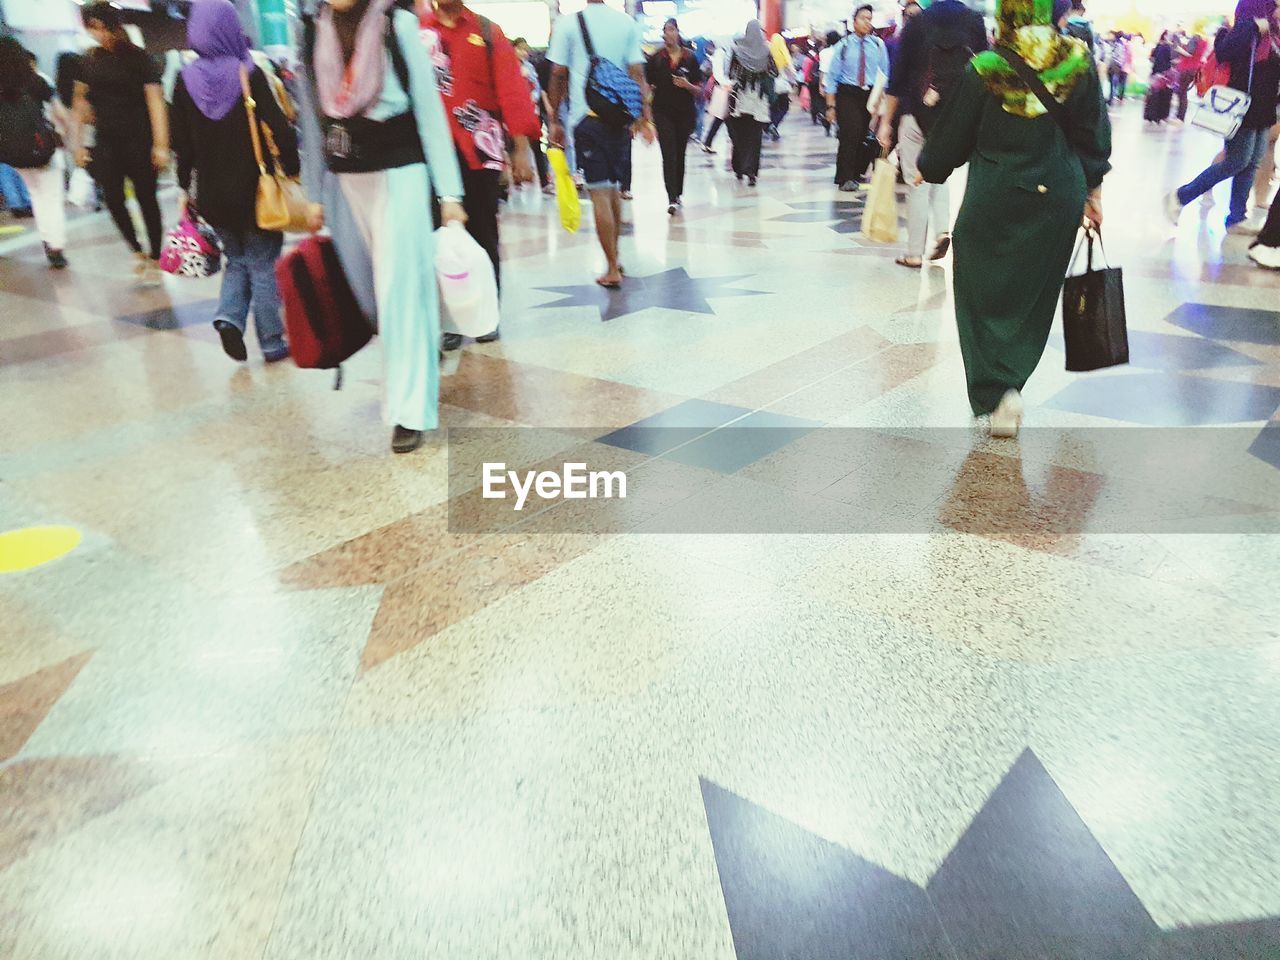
(1022, 209)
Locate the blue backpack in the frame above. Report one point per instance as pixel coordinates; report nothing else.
(612, 95)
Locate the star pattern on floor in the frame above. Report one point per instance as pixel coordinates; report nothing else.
(1027, 878)
(671, 289)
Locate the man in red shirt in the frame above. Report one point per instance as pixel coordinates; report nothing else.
(486, 97)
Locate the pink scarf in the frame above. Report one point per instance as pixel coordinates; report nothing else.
(349, 91)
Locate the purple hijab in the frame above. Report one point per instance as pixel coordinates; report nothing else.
(214, 32)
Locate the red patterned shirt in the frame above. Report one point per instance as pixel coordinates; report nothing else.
(483, 88)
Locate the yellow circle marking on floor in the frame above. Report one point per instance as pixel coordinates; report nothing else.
(35, 546)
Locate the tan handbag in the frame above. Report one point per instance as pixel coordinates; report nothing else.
(281, 206)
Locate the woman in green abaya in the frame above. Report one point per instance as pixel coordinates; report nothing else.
(1022, 209)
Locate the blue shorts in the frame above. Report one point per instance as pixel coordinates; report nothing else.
(604, 153)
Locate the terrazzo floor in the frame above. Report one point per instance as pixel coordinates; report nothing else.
(843, 680)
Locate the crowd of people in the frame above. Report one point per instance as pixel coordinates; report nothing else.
(400, 109)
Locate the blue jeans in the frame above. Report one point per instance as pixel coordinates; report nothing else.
(249, 279)
(14, 190)
(1243, 154)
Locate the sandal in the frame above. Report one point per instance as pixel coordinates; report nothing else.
(905, 262)
(941, 248)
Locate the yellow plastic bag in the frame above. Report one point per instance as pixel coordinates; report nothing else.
(566, 190)
(880, 216)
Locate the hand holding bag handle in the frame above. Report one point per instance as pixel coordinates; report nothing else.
(281, 204)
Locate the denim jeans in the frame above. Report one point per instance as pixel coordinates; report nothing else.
(249, 279)
(13, 189)
(1243, 154)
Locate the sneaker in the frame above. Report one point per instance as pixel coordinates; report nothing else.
(276, 355)
(57, 259)
(490, 337)
(1173, 207)
(450, 341)
(549, 189)
(404, 440)
(626, 195)
(1265, 256)
(1006, 419)
(232, 340)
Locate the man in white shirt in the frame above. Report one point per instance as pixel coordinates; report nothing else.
(604, 150)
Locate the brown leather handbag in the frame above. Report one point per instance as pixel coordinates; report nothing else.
(281, 204)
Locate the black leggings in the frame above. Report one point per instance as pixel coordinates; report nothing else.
(114, 161)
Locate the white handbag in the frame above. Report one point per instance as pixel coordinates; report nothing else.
(1223, 108)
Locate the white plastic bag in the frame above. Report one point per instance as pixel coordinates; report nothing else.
(468, 288)
(82, 191)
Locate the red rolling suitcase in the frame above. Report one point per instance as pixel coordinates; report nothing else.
(322, 318)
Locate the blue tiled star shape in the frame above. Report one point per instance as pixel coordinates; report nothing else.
(673, 289)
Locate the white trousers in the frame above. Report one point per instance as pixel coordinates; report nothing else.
(927, 202)
(392, 209)
(49, 201)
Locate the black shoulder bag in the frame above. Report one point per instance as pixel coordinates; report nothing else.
(1094, 327)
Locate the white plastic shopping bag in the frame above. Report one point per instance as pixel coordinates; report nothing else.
(468, 288)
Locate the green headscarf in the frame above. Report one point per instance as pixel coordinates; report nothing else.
(1027, 26)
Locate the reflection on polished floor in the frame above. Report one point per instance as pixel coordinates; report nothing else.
(275, 705)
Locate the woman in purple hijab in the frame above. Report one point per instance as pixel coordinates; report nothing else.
(1250, 48)
(218, 172)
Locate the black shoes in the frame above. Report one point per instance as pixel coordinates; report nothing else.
(404, 440)
(751, 181)
(22, 213)
(57, 259)
(232, 340)
(452, 341)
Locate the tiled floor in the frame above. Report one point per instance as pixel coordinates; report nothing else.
(844, 679)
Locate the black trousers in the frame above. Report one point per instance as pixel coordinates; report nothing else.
(716, 124)
(1270, 235)
(853, 119)
(481, 203)
(673, 140)
(818, 104)
(115, 160)
(540, 161)
(746, 133)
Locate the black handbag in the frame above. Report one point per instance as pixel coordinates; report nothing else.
(1093, 317)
